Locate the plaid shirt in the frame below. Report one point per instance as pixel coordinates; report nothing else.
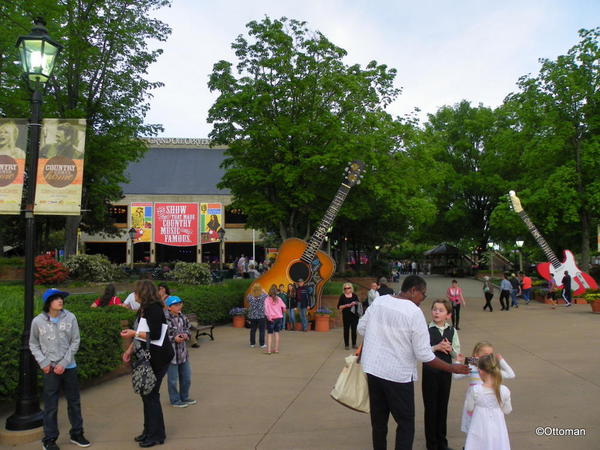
(178, 324)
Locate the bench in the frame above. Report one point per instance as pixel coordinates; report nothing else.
(200, 330)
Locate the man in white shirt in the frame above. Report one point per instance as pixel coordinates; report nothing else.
(131, 303)
(395, 337)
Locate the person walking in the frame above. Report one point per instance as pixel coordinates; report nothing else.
(54, 341)
(488, 292)
(274, 312)
(525, 287)
(566, 290)
(256, 315)
(515, 290)
(348, 304)
(302, 299)
(161, 353)
(395, 337)
(505, 289)
(455, 295)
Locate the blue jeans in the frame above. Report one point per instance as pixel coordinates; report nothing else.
(527, 295)
(292, 317)
(179, 374)
(303, 319)
(70, 384)
(513, 297)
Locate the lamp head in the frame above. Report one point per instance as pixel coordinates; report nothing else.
(38, 53)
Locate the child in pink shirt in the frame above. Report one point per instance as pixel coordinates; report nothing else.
(274, 311)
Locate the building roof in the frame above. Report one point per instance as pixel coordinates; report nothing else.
(176, 170)
(443, 249)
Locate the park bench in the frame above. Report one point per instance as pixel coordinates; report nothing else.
(200, 330)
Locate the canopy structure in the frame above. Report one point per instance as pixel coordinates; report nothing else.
(445, 259)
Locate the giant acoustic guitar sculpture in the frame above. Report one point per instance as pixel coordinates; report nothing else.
(580, 281)
(298, 259)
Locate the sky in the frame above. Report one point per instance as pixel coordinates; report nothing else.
(444, 51)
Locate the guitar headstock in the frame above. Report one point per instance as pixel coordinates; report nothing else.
(515, 202)
(354, 173)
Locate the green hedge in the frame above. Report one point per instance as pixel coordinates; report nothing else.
(100, 349)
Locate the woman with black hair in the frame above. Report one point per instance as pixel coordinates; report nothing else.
(151, 309)
(108, 298)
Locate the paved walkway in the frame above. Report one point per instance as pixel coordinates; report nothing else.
(248, 400)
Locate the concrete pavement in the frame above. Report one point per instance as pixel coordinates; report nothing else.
(248, 400)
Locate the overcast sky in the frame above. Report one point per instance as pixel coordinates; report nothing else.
(444, 51)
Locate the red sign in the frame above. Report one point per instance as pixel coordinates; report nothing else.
(176, 224)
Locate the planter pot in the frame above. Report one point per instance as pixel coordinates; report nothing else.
(595, 306)
(298, 326)
(239, 321)
(321, 322)
(579, 301)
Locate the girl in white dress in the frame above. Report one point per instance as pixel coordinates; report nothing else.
(487, 403)
(481, 349)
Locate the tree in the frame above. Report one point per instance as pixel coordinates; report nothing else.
(556, 118)
(99, 76)
(293, 115)
(463, 142)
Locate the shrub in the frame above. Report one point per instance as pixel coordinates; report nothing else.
(191, 273)
(93, 268)
(49, 271)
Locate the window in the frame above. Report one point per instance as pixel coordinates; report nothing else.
(118, 213)
(234, 216)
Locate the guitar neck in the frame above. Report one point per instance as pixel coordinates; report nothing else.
(317, 238)
(540, 239)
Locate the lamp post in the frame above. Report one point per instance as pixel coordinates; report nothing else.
(38, 53)
(221, 233)
(132, 233)
(519, 245)
(491, 247)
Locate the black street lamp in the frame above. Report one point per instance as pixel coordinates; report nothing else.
(132, 232)
(221, 233)
(520, 243)
(38, 55)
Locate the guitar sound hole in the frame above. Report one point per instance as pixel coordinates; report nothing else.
(299, 270)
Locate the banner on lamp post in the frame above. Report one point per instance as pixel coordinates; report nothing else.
(211, 219)
(176, 224)
(60, 167)
(141, 220)
(13, 142)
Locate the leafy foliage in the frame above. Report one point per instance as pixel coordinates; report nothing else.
(49, 271)
(93, 268)
(191, 273)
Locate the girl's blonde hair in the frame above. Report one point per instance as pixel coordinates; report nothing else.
(489, 364)
(256, 290)
(480, 345)
(348, 285)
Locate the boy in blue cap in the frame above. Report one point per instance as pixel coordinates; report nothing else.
(179, 369)
(53, 341)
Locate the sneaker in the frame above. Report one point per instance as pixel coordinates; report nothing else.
(346, 348)
(179, 405)
(263, 346)
(79, 439)
(252, 345)
(568, 304)
(195, 345)
(50, 445)
(189, 401)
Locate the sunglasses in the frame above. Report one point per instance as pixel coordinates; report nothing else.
(347, 288)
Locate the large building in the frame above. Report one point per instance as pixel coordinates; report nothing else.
(173, 204)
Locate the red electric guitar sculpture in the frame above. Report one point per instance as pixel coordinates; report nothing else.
(580, 281)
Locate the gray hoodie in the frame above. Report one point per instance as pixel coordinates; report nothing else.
(54, 343)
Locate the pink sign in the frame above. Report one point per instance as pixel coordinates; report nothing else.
(176, 224)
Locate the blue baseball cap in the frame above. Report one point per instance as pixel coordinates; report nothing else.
(173, 300)
(53, 293)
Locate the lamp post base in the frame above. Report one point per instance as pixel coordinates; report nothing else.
(24, 422)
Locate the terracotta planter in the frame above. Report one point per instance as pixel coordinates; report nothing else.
(239, 321)
(595, 306)
(579, 301)
(321, 322)
(298, 326)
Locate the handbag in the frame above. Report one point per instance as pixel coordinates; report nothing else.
(143, 378)
(351, 389)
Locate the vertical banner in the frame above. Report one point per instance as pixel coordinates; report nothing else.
(13, 142)
(176, 224)
(211, 219)
(60, 167)
(141, 220)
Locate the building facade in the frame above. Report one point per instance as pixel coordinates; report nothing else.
(173, 205)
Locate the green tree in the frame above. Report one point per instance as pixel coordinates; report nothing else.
(100, 77)
(464, 143)
(556, 123)
(293, 115)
